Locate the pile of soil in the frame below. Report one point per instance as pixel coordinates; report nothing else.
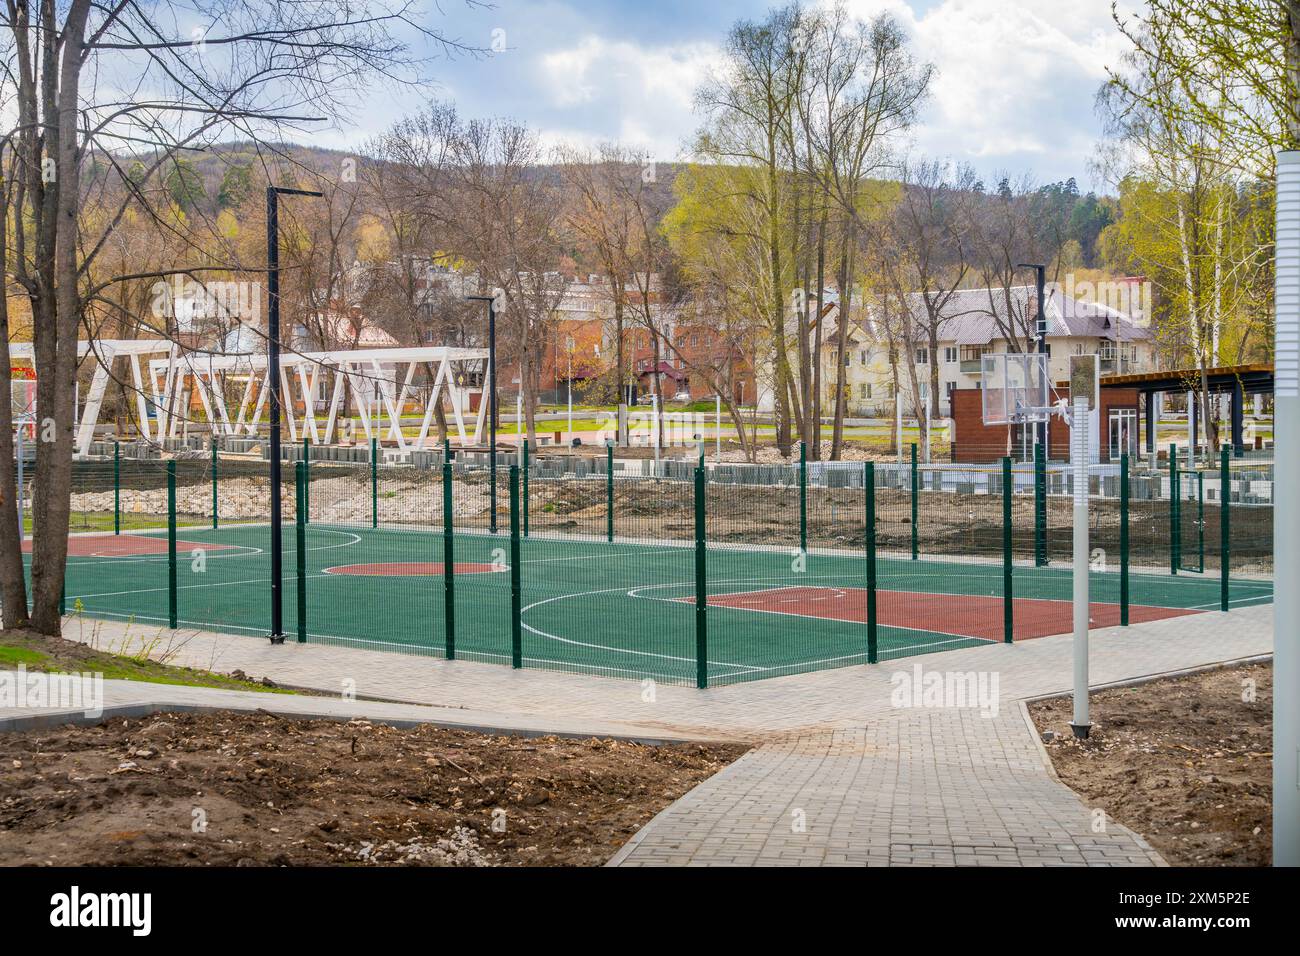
(256, 789)
(1186, 762)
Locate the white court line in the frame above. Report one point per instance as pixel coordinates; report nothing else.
(606, 647)
(244, 550)
(760, 610)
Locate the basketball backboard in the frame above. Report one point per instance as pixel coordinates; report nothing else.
(1015, 387)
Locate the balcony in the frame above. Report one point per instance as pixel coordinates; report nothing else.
(1117, 365)
(971, 366)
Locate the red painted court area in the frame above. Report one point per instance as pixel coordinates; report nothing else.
(126, 545)
(960, 615)
(411, 569)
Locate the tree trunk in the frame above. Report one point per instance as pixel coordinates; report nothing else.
(56, 325)
(13, 585)
(846, 309)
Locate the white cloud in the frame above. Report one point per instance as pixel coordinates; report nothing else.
(1015, 82)
(640, 96)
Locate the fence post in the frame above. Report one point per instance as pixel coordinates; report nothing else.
(300, 523)
(916, 550)
(701, 582)
(1225, 528)
(1040, 506)
(374, 484)
(609, 491)
(525, 488)
(1008, 596)
(1123, 539)
(117, 488)
(869, 483)
(448, 561)
(306, 479)
(1175, 513)
(803, 497)
(516, 629)
(1200, 518)
(215, 499)
(171, 544)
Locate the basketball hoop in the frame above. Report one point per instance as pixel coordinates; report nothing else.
(1015, 388)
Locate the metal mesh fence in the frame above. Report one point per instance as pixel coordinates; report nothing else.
(675, 573)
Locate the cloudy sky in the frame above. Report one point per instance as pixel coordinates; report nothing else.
(1013, 93)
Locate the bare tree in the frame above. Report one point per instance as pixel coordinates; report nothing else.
(97, 81)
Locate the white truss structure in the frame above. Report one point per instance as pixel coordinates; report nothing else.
(107, 354)
(380, 382)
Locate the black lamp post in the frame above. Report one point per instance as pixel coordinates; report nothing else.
(492, 400)
(273, 375)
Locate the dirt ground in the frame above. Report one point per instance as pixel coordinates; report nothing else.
(1186, 762)
(255, 789)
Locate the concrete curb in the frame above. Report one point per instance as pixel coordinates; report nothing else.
(60, 718)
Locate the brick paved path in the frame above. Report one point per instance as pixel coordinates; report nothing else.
(839, 775)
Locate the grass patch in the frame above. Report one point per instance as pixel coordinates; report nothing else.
(22, 655)
(51, 655)
(102, 521)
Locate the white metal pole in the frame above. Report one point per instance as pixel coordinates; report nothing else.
(1286, 518)
(1079, 456)
(519, 426)
(1191, 430)
(570, 391)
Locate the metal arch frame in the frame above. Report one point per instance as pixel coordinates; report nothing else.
(175, 379)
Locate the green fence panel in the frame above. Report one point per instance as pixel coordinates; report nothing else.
(701, 586)
(300, 546)
(609, 492)
(516, 588)
(1225, 521)
(1040, 506)
(171, 545)
(1123, 539)
(869, 486)
(1008, 597)
(916, 547)
(803, 497)
(448, 562)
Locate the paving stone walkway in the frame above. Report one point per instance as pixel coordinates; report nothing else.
(839, 774)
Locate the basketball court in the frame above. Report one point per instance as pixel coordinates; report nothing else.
(615, 608)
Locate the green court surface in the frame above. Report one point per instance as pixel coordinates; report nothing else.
(590, 606)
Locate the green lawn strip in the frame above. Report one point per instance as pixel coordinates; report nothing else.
(53, 655)
(82, 521)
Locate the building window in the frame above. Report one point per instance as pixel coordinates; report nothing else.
(862, 357)
(922, 356)
(972, 353)
(949, 354)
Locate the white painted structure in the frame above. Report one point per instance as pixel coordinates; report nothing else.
(106, 354)
(381, 383)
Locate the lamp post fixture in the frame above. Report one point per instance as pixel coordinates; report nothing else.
(492, 400)
(273, 193)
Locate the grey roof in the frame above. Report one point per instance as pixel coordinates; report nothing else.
(969, 316)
